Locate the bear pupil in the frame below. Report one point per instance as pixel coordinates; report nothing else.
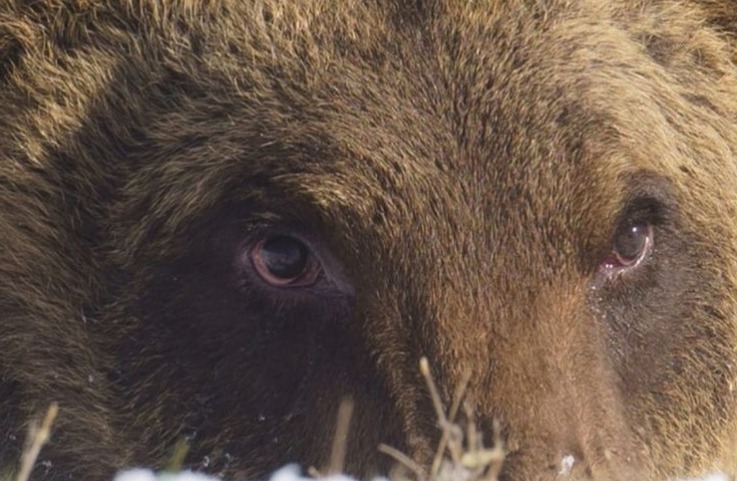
(285, 257)
(631, 242)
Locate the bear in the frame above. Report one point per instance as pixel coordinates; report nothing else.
(221, 218)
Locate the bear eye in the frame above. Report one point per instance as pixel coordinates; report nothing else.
(633, 242)
(285, 261)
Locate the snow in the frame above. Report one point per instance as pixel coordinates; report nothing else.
(566, 465)
(287, 473)
(146, 475)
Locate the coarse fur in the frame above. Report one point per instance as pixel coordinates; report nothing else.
(460, 171)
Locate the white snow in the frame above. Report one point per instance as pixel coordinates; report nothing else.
(566, 465)
(293, 473)
(290, 472)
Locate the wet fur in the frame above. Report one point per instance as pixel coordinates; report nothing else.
(464, 166)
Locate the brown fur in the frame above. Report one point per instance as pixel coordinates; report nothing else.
(462, 167)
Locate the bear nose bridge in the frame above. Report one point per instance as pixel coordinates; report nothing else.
(539, 364)
(557, 391)
(522, 325)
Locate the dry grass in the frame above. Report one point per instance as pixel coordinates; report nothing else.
(38, 435)
(460, 454)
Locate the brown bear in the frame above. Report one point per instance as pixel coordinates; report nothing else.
(219, 218)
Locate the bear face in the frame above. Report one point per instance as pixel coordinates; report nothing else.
(221, 219)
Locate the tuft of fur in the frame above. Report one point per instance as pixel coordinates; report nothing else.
(460, 167)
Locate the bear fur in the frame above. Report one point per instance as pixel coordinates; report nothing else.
(464, 175)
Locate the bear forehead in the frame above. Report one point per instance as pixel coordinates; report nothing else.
(459, 114)
(425, 120)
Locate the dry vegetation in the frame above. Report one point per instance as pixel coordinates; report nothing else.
(38, 435)
(460, 456)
